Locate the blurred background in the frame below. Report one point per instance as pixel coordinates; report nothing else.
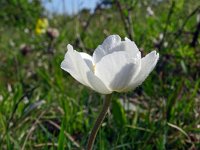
(43, 107)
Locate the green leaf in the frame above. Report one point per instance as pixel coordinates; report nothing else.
(118, 113)
(180, 4)
(184, 67)
(61, 139)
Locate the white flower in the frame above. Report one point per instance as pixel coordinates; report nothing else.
(115, 65)
(150, 11)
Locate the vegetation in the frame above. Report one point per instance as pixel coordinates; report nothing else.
(43, 107)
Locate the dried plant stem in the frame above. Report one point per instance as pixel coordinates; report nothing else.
(99, 122)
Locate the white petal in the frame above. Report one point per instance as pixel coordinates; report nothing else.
(71, 64)
(113, 44)
(106, 47)
(132, 47)
(88, 60)
(75, 64)
(147, 65)
(111, 41)
(97, 84)
(116, 70)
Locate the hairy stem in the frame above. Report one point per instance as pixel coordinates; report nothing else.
(99, 122)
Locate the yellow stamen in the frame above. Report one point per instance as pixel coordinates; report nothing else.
(94, 67)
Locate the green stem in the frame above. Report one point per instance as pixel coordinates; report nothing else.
(99, 122)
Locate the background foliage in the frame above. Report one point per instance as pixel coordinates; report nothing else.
(43, 107)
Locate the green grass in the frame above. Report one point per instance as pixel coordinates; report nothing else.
(43, 107)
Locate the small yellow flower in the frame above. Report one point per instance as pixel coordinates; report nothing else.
(41, 26)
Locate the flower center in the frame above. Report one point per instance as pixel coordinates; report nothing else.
(94, 67)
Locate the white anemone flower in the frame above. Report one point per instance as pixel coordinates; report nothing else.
(114, 66)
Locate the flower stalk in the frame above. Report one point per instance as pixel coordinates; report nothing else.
(99, 121)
